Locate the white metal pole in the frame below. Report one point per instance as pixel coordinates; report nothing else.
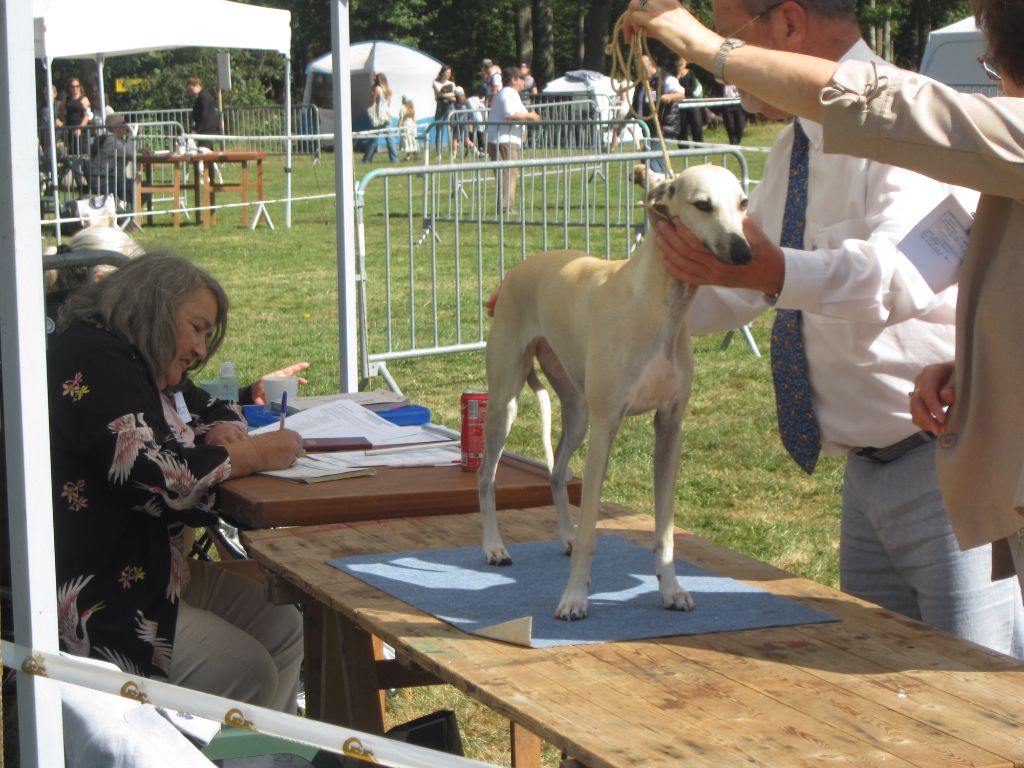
(25, 422)
(52, 129)
(288, 142)
(348, 331)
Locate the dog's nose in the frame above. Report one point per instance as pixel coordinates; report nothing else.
(739, 250)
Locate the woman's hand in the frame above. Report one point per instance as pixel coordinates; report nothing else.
(271, 450)
(225, 433)
(933, 393)
(259, 393)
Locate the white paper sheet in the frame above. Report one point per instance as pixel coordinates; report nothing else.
(345, 418)
(936, 245)
(425, 456)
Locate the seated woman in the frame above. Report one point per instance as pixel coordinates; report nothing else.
(137, 452)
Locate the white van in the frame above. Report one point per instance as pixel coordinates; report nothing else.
(951, 57)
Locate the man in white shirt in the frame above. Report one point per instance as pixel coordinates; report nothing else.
(869, 324)
(504, 137)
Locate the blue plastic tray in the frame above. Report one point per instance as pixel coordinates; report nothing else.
(407, 415)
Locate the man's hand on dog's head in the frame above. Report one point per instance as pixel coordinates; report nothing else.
(688, 260)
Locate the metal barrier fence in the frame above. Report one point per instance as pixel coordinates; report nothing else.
(432, 242)
(253, 123)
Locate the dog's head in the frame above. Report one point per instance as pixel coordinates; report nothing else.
(710, 202)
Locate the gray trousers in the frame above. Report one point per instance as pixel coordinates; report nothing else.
(897, 549)
(232, 642)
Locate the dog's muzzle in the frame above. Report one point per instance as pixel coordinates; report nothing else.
(739, 250)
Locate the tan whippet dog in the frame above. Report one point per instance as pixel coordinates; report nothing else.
(612, 338)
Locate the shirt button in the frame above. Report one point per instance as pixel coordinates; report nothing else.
(947, 440)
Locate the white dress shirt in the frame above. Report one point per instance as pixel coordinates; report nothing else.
(870, 321)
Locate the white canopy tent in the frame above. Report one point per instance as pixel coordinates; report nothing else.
(65, 29)
(951, 57)
(592, 85)
(409, 71)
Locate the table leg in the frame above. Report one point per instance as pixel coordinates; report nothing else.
(312, 628)
(176, 183)
(525, 748)
(208, 196)
(350, 690)
(245, 192)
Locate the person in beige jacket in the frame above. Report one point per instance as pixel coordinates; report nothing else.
(971, 140)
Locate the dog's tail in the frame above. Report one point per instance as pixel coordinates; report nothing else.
(544, 403)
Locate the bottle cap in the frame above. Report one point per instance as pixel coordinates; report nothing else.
(227, 368)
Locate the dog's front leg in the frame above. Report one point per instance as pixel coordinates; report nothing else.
(667, 429)
(573, 604)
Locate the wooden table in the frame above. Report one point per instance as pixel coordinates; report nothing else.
(266, 502)
(874, 689)
(204, 191)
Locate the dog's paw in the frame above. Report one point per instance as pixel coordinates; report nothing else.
(497, 556)
(572, 606)
(679, 600)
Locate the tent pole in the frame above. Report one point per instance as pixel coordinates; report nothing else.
(100, 63)
(344, 201)
(51, 133)
(288, 142)
(26, 432)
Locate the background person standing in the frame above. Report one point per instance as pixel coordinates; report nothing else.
(205, 115)
(505, 141)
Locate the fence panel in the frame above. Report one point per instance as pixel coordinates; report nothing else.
(432, 242)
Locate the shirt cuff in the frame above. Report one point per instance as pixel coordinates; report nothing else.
(804, 281)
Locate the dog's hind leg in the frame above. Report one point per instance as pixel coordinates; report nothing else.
(505, 377)
(575, 420)
(667, 429)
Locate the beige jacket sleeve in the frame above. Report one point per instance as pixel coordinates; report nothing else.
(961, 138)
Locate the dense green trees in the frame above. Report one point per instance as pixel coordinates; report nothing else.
(553, 35)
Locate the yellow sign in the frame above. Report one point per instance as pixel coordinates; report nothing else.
(125, 84)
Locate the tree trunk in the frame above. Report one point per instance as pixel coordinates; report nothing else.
(543, 42)
(597, 22)
(524, 31)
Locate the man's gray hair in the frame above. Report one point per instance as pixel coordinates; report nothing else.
(828, 9)
(140, 301)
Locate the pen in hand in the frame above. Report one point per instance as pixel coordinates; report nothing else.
(284, 408)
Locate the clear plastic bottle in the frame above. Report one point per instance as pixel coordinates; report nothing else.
(228, 382)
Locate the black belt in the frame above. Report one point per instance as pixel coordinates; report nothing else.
(896, 450)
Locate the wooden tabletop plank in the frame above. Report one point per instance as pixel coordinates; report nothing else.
(874, 689)
(266, 502)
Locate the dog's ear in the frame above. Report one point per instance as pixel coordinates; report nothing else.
(657, 199)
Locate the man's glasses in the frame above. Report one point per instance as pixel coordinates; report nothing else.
(990, 70)
(751, 20)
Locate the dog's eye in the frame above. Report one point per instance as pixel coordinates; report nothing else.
(703, 205)
(743, 204)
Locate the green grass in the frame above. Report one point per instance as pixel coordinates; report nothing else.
(737, 486)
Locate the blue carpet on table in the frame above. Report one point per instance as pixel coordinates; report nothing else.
(458, 587)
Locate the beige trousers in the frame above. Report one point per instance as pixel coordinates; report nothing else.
(230, 641)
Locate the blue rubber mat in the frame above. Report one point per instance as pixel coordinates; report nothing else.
(458, 587)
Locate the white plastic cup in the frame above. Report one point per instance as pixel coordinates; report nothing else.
(275, 386)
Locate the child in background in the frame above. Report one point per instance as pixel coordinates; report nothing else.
(407, 126)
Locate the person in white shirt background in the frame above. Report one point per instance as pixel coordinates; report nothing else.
(870, 323)
(504, 138)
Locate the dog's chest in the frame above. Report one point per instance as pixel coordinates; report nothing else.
(657, 382)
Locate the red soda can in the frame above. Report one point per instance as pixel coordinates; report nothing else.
(474, 410)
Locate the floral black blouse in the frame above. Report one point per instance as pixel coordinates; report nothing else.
(124, 489)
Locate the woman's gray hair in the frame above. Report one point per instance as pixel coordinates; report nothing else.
(140, 302)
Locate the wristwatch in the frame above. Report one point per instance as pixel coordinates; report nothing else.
(718, 65)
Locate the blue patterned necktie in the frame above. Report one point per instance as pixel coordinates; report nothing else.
(797, 425)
